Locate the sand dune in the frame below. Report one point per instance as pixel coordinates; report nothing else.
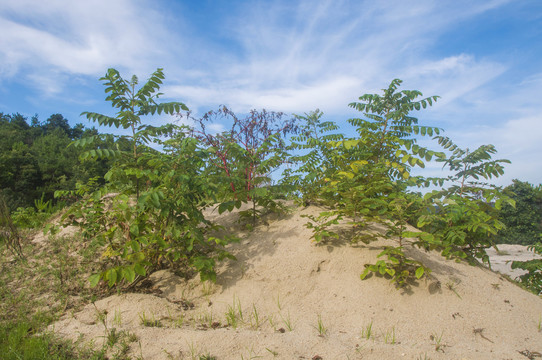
(283, 290)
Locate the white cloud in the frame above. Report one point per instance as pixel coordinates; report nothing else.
(453, 77)
(82, 38)
(303, 55)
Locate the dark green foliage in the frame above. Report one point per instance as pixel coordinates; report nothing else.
(524, 221)
(9, 234)
(34, 159)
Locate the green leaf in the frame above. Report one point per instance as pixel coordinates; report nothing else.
(129, 274)
(94, 280)
(111, 277)
(419, 272)
(139, 269)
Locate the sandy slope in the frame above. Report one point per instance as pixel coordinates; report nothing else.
(477, 313)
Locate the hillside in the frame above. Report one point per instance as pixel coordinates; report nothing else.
(288, 298)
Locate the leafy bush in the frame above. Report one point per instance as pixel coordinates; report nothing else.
(149, 214)
(524, 221)
(242, 159)
(366, 178)
(463, 220)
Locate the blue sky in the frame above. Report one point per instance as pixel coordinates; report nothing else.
(482, 57)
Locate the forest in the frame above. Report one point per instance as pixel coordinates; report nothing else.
(141, 197)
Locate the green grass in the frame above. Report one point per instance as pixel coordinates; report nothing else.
(320, 327)
(389, 337)
(47, 282)
(18, 341)
(287, 322)
(437, 341)
(368, 331)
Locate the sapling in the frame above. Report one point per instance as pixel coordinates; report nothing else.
(368, 176)
(153, 218)
(242, 158)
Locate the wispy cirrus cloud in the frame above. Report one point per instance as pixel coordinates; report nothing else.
(286, 56)
(305, 55)
(44, 39)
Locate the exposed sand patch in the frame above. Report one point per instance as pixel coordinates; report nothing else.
(502, 261)
(290, 282)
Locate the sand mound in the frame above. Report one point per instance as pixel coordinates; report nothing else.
(281, 286)
(501, 261)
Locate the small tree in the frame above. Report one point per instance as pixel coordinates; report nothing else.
(149, 213)
(309, 170)
(243, 157)
(463, 220)
(533, 278)
(132, 105)
(372, 172)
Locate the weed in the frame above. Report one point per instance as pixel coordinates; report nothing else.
(206, 288)
(177, 322)
(140, 357)
(207, 357)
(193, 351)
(451, 286)
(272, 352)
(367, 332)
(117, 319)
(234, 314)
(112, 337)
(278, 302)
(437, 341)
(251, 355)
(425, 357)
(287, 322)
(131, 337)
(389, 336)
(320, 327)
(540, 324)
(149, 322)
(496, 286)
(206, 318)
(239, 309)
(231, 318)
(254, 317)
(272, 321)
